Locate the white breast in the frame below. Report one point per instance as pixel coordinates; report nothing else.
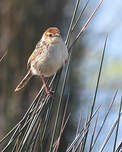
(50, 60)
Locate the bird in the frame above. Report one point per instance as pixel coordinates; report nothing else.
(49, 55)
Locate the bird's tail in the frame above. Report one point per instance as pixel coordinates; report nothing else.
(24, 81)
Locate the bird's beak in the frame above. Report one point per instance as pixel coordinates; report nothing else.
(57, 35)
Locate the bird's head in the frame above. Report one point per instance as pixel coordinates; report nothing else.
(52, 35)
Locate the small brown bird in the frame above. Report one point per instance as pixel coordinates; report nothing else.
(49, 56)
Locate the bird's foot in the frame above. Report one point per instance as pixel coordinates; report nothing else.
(50, 93)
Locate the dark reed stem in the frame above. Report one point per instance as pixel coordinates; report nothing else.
(81, 13)
(117, 128)
(80, 133)
(84, 27)
(96, 89)
(109, 134)
(90, 149)
(71, 24)
(104, 120)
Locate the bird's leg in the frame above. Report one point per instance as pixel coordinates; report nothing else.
(45, 86)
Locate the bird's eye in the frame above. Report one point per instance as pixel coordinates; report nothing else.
(50, 35)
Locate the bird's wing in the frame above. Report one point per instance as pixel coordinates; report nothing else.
(35, 53)
(40, 47)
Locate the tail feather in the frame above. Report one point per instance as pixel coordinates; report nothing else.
(24, 81)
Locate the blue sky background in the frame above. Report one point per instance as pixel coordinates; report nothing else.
(107, 19)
